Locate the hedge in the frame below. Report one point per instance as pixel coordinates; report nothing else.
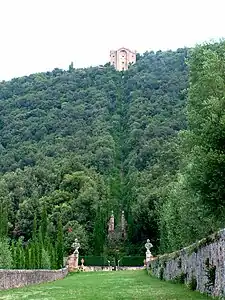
(132, 261)
(98, 261)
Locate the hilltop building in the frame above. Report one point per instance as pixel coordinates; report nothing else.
(122, 58)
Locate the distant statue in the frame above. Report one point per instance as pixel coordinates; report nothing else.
(148, 246)
(76, 246)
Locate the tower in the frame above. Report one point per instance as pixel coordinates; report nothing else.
(111, 225)
(122, 58)
(118, 232)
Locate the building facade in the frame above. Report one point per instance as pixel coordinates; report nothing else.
(122, 58)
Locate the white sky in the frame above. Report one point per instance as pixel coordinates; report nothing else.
(40, 35)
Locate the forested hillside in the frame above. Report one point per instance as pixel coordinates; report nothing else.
(83, 142)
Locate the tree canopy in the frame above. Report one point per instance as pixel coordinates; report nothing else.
(77, 144)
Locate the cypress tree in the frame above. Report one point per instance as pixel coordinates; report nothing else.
(52, 254)
(30, 258)
(37, 255)
(22, 257)
(34, 232)
(3, 221)
(99, 232)
(59, 244)
(40, 247)
(19, 255)
(44, 223)
(32, 255)
(48, 248)
(13, 251)
(27, 258)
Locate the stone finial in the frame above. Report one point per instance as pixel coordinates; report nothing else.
(82, 265)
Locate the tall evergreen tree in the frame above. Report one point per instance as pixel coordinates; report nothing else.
(34, 231)
(194, 203)
(40, 246)
(13, 252)
(44, 223)
(3, 220)
(59, 243)
(19, 255)
(32, 255)
(99, 232)
(27, 257)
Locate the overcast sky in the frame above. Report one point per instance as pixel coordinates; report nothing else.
(40, 35)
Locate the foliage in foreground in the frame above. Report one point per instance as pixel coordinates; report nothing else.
(195, 202)
(39, 252)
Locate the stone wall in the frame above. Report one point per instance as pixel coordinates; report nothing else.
(19, 278)
(201, 265)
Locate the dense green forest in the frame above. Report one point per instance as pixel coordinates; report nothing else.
(77, 144)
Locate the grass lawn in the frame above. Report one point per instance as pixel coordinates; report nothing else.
(104, 285)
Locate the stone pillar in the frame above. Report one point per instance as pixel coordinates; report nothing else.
(148, 246)
(148, 257)
(71, 263)
(76, 259)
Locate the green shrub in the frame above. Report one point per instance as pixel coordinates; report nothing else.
(179, 263)
(98, 261)
(45, 260)
(161, 273)
(210, 273)
(132, 261)
(5, 254)
(192, 285)
(180, 278)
